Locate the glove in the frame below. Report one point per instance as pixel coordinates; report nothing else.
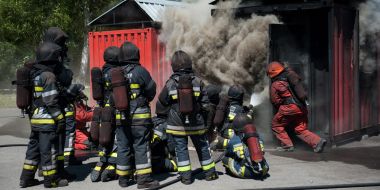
(61, 125)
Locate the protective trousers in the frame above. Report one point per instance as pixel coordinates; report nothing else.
(202, 147)
(296, 120)
(69, 133)
(238, 168)
(108, 156)
(133, 140)
(42, 149)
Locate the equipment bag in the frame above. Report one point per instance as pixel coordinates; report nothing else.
(251, 139)
(220, 112)
(185, 94)
(97, 84)
(95, 124)
(119, 89)
(106, 129)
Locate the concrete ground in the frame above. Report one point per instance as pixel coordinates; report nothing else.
(357, 162)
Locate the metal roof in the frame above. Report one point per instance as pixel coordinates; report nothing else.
(152, 8)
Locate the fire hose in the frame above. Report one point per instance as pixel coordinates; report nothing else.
(12, 145)
(193, 173)
(333, 186)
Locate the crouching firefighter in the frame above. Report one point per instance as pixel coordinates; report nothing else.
(288, 97)
(162, 144)
(184, 93)
(103, 125)
(227, 109)
(244, 153)
(133, 89)
(47, 120)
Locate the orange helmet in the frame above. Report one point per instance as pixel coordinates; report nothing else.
(274, 69)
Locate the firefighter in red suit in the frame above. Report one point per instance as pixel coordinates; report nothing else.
(291, 110)
(82, 115)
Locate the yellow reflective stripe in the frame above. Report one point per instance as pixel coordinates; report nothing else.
(262, 147)
(118, 116)
(123, 173)
(70, 113)
(209, 166)
(230, 133)
(141, 116)
(144, 171)
(38, 89)
(59, 117)
(60, 157)
(198, 132)
(174, 97)
(66, 153)
(108, 84)
(114, 154)
(231, 117)
(107, 105)
(134, 86)
(225, 142)
(47, 173)
(97, 168)
(242, 171)
(29, 167)
(134, 96)
(42, 121)
(110, 167)
(36, 111)
(175, 168)
(101, 153)
(197, 94)
(184, 168)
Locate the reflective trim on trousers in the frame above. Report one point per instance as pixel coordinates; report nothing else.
(29, 167)
(185, 133)
(142, 166)
(143, 171)
(50, 172)
(184, 163)
(124, 173)
(209, 166)
(207, 162)
(184, 168)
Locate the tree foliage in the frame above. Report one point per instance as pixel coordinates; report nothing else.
(22, 23)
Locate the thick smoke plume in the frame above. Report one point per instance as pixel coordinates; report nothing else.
(225, 50)
(369, 21)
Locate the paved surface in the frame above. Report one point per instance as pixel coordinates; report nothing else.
(357, 162)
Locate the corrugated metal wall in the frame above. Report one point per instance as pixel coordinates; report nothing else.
(152, 52)
(344, 87)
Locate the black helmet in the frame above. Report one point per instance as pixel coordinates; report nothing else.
(55, 35)
(48, 53)
(236, 92)
(75, 91)
(213, 92)
(111, 55)
(239, 122)
(181, 61)
(129, 53)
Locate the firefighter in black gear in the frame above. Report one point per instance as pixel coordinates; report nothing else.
(47, 120)
(213, 92)
(192, 125)
(133, 135)
(64, 79)
(105, 169)
(235, 94)
(162, 144)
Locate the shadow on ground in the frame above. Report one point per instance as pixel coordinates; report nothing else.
(17, 128)
(365, 156)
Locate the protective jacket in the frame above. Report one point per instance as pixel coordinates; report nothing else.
(46, 109)
(176, 121)
(234, 109)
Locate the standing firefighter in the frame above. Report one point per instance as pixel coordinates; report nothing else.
(105, 169)
(47, 119)
(244, 155)
(133, 89)
(288, 97)
(185, 95)
(213, 92)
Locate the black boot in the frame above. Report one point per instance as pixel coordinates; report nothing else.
(109, 174)
(71, 160)
(186, 178)
(28, 182)
(124, 181)
(146, 181)
(97, 172)
(211, 175)
(52, 182)
(320, 146)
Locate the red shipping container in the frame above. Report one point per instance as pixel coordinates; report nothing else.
(152, 52)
